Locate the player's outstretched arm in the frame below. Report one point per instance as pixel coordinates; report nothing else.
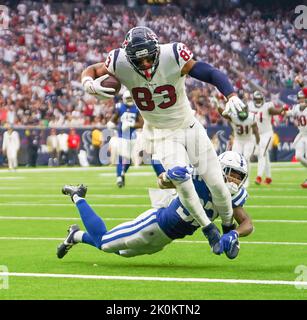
(245, 224)
(207, 73)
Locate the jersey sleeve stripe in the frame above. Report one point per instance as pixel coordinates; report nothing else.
(116, 53)
(242, 198)
(238, 196)
(176, 52)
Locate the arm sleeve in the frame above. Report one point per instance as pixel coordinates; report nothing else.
(207, 73)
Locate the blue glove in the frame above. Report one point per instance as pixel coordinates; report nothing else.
(228, 240)
(180, 174)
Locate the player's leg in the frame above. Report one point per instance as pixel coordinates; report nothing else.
(261, 158)
(172, 152)
(268, 173)
(248, 148)
(205, 160)
(93, 223)
(301, 151)
(237, 146)
(137, 237)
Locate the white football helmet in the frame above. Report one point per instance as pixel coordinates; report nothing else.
(258, 99)
(127, 98)
(235, 170)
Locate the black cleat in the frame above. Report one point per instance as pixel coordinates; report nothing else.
(212, 233)
(63, 248)
(71, 190)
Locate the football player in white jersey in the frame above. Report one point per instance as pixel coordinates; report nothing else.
(168, 219)
(264, 112)
(245, 130)
(299, 112)
(155, 75)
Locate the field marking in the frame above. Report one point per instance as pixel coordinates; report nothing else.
(93, 195)
(175, 241)
(124, 196)
(133, 205)
(298, 284)
(131, 174)
(131, 218)
(250, 242)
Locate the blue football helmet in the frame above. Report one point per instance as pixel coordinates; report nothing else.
(142, 43)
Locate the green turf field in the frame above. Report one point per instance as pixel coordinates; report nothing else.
(34, 217)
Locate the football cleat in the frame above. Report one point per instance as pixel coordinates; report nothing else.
(213, 236)
(70, 190)
(120, 181)
(258, 180)
(65, 246)
(268, 181)
(304, 184)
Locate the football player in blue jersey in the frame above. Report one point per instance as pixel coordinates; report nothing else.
(126, 119)
(151, 231)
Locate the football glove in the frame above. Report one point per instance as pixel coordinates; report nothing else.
(94, 87)
(233, 105)
(229, 243)
(212, 233)
(179, 174)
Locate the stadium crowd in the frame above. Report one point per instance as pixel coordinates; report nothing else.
(44, 50)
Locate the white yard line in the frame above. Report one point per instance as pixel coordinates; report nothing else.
(176, 241)
(298, 284)
(131, 218)
(133, 205)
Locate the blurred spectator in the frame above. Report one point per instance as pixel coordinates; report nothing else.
(73, 143)
(97, 140)
(53, 148)
(10, 146)
(33, 141)
(274, 149)
(62, 138)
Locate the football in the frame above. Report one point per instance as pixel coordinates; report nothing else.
(111, 82)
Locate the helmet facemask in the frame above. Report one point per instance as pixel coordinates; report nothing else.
(141, 45)
(234, 179)
(258, 99)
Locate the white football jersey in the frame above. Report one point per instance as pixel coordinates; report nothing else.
(300, 117)
(243, 129)
(161, 99)
(263, 118)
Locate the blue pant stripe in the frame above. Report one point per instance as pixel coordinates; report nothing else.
(131, 225)
(129, 233)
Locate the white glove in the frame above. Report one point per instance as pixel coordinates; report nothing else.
(233, 105)
(94, 87)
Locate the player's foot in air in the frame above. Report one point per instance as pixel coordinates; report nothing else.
(258, 180)
(304, 184)
(67, 244)
(70, 190)
(213, 236)
(120, 181)
(268, 180)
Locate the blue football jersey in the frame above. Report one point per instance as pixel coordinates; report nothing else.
(127, 114)
(176, 221)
